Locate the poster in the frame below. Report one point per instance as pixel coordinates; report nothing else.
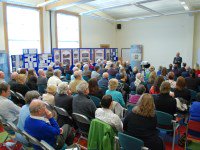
(44, 61)
(107, 54)
(75, 56)
(84, 55)
(136, 56)
(57, 57)
(30, 58)
(98, 54)
(66, 57)
(17, 62)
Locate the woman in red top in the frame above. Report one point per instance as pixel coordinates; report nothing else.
(155, 89)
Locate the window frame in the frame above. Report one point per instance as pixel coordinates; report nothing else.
(71, 14)
(41, 28)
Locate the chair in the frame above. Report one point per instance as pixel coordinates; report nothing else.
(20, 96)
(104, 89)
(31, 139)
(46, 145)
(130, 143)
(130, 106)
(61, 111)
(42, 88)
(96, 100)
(166, 123)
(193, 95)
(83, 124)
(193, 135)
(86, 78)
(101, 136)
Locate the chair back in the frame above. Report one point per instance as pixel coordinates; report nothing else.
(164, 119)
(68, 76)
(61, 111)
(86, 78)
(20, 96)
(46, 146)
(129, 142)
(130, 106)
(42, 88)
(82, 122)
(96, 100)
(31, 139)
(104, 89)
(193, 95)
(13, 127)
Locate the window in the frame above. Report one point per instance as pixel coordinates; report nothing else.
(67, 31)
(23, 26)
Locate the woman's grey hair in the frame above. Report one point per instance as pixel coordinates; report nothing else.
(30, 95)
(82, 87)
(57, 72)
(62, 88)
(85, 67)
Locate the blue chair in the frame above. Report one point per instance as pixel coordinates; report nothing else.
(111, 76)
(130, 106)
(42, 88)
(68, 76)
(129, 142)
(104, 89)
(193, 95)
(96, 100)
(166, 123)
(86, 78)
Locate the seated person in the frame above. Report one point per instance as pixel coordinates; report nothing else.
(192, 82)
(55, 79)
(13, 79)
(82, 103)
(103, 82)
(49, 96)
(40, 127)
(141, 123)
(78, 79)
(195, 109)
(24, 113)
(32, 80)
(139, 91)
(8, 110)
(94, 88)
(105, 113)
(155, 89)
(42, 80)
(116, 95)
(171, 80)
(163, 101)
(63, 99)
(95, 73)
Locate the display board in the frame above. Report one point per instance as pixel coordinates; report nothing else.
(136, 55)
(30, 59)
(56, 57)
(114, 54)
(98, 53)
(17, 62)
(66, 56)
(107, 51)
(125, 54)
(44, 60)
(85, 55)
(75, 56)
(4, 64)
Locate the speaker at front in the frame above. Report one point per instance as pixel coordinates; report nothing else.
(119, 26)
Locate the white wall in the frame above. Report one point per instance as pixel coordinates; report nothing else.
(96, 31)
(2, 41)
(161, 38)
(46, 27)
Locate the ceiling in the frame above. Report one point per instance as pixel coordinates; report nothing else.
(118, 10)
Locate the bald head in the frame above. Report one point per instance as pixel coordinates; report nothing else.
(14, 75)
(36, 106)
(2, 75)
(105, 75)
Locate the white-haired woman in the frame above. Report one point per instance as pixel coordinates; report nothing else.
(64, 100)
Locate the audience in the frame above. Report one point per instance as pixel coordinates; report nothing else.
(32, 80)
(141, 123)
(192, 82)
(76, 81)
(106, 115)
(62, 69)
(163, 101)
(82, 103)
(155, 89)
(49, 96)
(94, 89)
(68, 72)
(8, 110)
(103, 82)
(116, 95)
(63, 99)
(41, 124)
(49, 72)
(24, 113)
(95, 73)
(42, 80)
(55, 79)
(112, 71)
(194, 109)
(86, 72)
(164, 73)
(74, 70)
(2, 76)
(139, 79)
(139, 91)
(171, 80)
(13, 79)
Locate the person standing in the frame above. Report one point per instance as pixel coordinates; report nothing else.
(178, 60)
